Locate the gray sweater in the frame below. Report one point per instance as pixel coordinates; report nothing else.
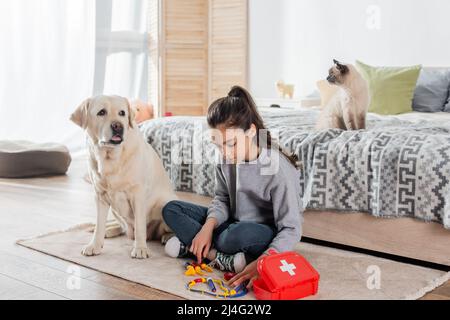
(257, 192)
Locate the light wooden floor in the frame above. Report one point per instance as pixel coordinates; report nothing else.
(29, 207)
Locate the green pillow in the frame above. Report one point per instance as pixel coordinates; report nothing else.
(391, 88)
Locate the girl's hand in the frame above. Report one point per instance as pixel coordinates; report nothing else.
(249, 273)
(202, 242)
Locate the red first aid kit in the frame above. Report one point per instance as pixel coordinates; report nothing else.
(285, 276)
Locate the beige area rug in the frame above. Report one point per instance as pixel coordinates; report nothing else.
(343, 274)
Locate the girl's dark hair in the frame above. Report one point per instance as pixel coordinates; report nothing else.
(238, 109)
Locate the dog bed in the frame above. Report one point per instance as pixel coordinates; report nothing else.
(23, 159)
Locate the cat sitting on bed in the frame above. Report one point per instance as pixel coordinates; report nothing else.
(347, 109)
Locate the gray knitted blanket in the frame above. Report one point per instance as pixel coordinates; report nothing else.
(394, 168)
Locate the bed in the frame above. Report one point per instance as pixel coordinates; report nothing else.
(398, 168)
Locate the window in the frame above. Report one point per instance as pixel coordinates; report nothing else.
(121, 61)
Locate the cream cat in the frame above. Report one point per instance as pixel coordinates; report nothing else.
(347, 109)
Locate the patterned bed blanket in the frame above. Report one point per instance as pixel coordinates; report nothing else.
(394, 168)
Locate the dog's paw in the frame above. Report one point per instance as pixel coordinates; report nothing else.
(91, 249)
(140, 253)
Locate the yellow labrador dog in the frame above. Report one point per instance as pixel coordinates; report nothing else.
(127, 174)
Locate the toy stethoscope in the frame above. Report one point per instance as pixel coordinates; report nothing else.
(237, 292)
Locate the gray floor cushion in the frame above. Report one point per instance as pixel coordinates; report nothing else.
(22, 159)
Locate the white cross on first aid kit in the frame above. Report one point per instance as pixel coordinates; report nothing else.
(288, 267)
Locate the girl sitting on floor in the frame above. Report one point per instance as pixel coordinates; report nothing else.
(255, 208)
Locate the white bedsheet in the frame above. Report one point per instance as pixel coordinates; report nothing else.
(418, 116)
(410, 116)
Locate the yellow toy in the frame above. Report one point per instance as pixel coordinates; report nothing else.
(204, 266)
(194, 269)
(190, 271)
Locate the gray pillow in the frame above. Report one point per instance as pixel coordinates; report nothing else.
(432, 90)
(23, 159)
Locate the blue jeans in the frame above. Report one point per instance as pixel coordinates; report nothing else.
(186, 219)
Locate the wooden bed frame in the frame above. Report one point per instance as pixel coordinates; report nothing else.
(404, 237)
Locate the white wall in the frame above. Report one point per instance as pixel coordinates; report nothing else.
(296, 40)
(265, 45)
